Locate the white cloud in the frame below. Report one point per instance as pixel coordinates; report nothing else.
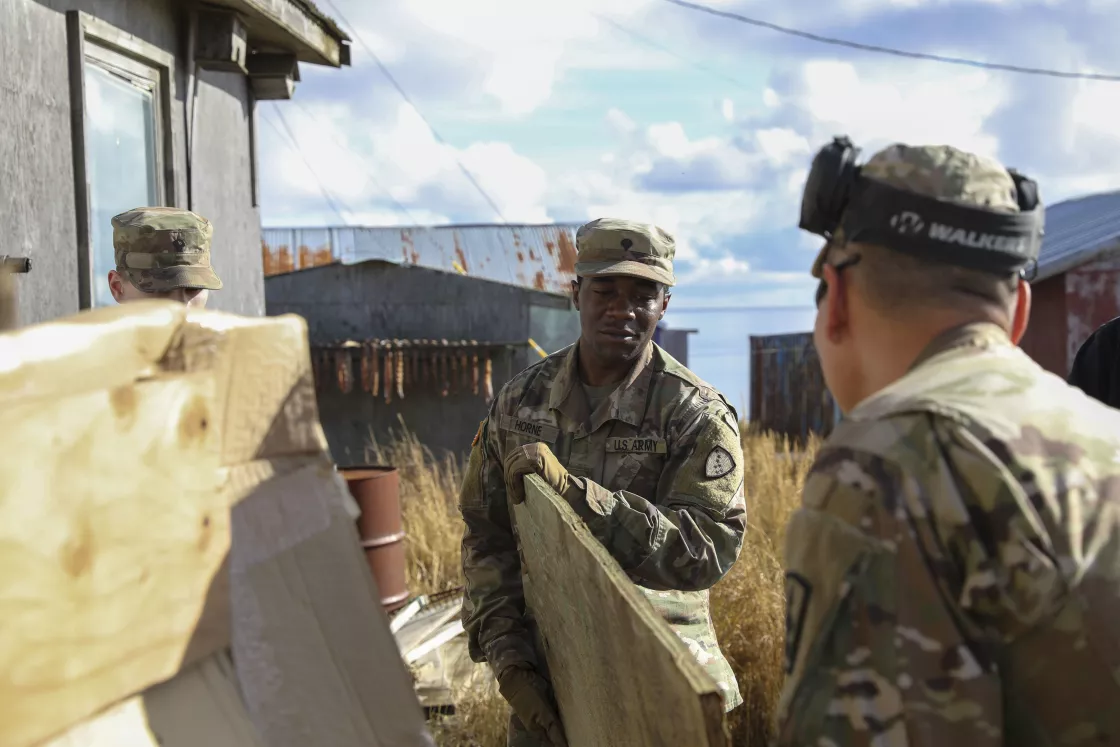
(902, 102)
(409, 164)
(725, 269)
(727, 108)
(620, 122)
(524, 45)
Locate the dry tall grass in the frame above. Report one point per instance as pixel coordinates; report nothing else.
(748, 606)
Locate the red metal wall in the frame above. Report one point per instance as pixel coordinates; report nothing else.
(1045, 339)
(1092, 298)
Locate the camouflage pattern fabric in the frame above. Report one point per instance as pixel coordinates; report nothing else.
(660, 463)
(941, 172)
(612, 246)
(953, 573)
(161, 248)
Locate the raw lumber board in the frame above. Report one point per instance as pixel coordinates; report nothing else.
(130, 433)
(312, 646)
(622, 677)
(199, 707)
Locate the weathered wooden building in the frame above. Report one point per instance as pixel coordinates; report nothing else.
(1075, 289)
(106, 105)
(418, 327)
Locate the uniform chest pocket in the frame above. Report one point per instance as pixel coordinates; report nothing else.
(635, 464)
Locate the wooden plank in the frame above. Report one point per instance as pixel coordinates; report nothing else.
(157, 460)
(622, 677)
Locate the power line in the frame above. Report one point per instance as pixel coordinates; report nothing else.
(888, 50)
(295, 144)
(404, 95)
(384, 190)
(661, 47)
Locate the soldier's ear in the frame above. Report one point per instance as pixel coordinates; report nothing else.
(1022, 313)
(575, 293)
(115, 281)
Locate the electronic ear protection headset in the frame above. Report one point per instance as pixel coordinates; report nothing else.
(838, 196)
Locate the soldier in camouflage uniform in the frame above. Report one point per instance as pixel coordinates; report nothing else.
(647, 454)
(953, 572)
(162, 252)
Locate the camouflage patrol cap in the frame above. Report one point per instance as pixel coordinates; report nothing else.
(612, 246)
(164, 248)
(941, 172)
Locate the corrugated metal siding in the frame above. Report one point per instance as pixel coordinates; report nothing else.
(1045, 338)
(541, 257)
(788, 392)
(1092, 298)
(1079, 231)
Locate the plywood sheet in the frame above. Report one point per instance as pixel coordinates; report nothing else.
(622, 677)
(312, 645)
(155, 461)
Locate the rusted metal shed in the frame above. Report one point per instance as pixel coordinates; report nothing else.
(419, 327)
(788, 393)
(1077, 286)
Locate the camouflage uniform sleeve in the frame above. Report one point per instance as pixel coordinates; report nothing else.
(902, 580)
(494, 602)
(688, 536)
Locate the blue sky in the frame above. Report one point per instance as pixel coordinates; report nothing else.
(567, 110)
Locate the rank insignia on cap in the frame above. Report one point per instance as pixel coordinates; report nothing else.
(719, 463)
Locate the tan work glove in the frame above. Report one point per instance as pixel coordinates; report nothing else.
(534, 459)
(528, 695)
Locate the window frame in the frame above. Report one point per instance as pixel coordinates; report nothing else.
(91, 40)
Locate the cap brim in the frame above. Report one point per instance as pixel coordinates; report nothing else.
(818, 263)
(628, 268)
(162, 279)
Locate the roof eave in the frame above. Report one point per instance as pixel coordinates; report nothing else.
(293, 26)
(1063, 265)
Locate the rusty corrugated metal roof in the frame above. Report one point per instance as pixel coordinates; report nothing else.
(1078, 231)
(534, 256)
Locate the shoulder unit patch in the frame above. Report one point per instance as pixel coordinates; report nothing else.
(718, 463)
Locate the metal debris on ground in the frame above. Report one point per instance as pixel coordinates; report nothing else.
(429, 633)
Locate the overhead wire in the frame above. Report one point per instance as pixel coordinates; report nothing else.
(377, 182)
(642, 39)
(740, 18)
(408, 100)
(299, 151)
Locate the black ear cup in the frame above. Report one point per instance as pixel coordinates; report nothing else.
(829, 187)
(1026, 190)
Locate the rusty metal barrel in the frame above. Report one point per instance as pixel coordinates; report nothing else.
(377, 492)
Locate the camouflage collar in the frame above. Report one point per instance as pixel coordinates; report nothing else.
(626, 403)
(980, 334)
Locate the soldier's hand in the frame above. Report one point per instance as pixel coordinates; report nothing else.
(528, 694)
(533, 459)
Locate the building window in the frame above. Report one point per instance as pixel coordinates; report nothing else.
(119, 89)
(122, 136)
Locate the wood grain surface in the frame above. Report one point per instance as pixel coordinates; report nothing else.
(622, 677)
